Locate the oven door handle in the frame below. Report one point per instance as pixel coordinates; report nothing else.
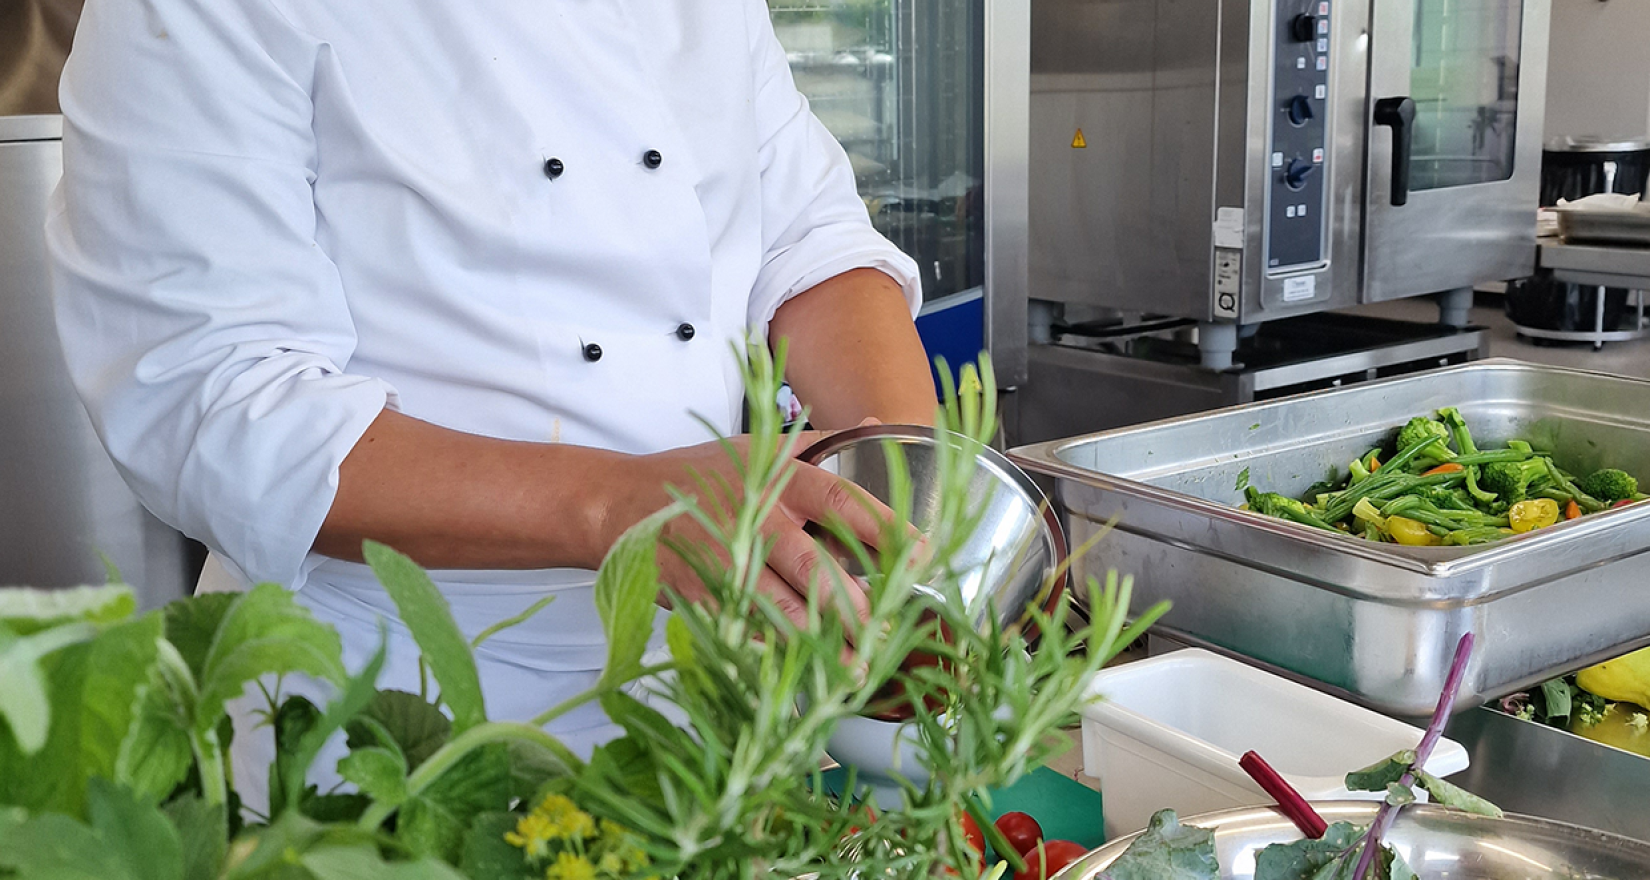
(1399, 114)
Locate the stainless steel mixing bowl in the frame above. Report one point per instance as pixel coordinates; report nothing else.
(1438, 843)
(1018, 544)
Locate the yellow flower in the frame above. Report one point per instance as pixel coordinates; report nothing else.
(570, 867)
(611, 865)
(555, 819)
(612, 832)
(533, 834)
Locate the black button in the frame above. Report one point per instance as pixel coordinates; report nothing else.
(553, 168)
(592, 352)
(685, 332)
(653, 159)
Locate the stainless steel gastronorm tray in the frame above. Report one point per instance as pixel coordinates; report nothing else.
(1377, 623)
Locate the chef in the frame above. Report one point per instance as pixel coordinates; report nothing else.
(458, 277)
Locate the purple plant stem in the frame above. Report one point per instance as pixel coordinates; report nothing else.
(1440, 716)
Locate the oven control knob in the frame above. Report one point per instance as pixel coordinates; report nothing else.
(1296, 174)
(1303, 28)
(1299, 109)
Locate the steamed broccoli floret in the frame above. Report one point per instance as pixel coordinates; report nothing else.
(1510, 481)
(1451, 417)
(1284, 507)
(1609, 484)
(1419, 430)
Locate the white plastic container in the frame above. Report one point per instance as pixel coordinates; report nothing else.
(1168, 732)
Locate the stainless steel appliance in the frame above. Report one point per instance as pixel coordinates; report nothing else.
(1247, 160)
(1377, 623)
(62, 503)
(1208, 179)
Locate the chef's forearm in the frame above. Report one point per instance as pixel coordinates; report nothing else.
(455, 500)
(854, 352)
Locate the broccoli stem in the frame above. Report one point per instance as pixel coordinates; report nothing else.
(1562, 481)
(1478, 492)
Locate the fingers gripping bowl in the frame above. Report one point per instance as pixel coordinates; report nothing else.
(1016, 548)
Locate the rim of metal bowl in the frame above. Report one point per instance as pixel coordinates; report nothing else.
(1237, 818)
(836, 442)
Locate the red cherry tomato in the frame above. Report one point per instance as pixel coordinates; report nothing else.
(1021, 831)
(1050, 858)
(972, 832)
(1058, 854)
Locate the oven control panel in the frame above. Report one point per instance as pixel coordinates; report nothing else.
(1299, 162)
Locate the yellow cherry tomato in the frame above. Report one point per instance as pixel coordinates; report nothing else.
(1410, 533)
(1536, 513)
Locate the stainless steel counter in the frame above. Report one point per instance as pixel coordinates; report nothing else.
(1599, 264)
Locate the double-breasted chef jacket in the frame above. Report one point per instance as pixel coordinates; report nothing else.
(539, 220)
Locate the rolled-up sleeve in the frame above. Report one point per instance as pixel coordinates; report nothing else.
(203, 326)
(814, 224)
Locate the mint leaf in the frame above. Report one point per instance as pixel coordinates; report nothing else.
(406, 721)
(200, 828)
(26, 611)
(363, 862)
(24, 704)
(155, 755)
(93, 687)
(192, 624)
(126, 839)
(333, 808)
(137, 833)
(531, 767)
(276, 851)
(1304, 858)
(1456, 798)
(626, 596)
(294, 719)
(486, 854)
(1377, 777)
(430, 619)
(1168, 851)
(265, 632)
(55, 847)
(358, 692)
(434, 822)
(380, 774)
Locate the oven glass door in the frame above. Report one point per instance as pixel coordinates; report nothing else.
(900, 83)
(1455, 114)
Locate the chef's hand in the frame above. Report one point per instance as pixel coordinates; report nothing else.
(797, 564)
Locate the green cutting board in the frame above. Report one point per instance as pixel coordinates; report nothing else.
(1064, 807)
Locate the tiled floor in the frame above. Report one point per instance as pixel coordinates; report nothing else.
(1620, 358)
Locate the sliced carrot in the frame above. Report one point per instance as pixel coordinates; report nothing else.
(1446, 468)
(1374, 465)
(1572, 510)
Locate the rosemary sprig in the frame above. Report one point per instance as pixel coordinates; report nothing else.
(725, 783)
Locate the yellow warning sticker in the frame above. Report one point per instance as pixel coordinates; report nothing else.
(1078, 142)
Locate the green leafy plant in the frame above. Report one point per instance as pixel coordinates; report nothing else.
(114, 733)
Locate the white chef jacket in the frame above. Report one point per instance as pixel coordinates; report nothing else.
(538, 220)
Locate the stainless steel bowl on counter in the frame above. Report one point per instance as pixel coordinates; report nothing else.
(1377, 623)
(1018, 544)
(1440, 844)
